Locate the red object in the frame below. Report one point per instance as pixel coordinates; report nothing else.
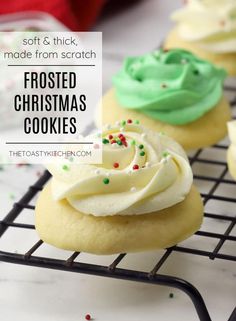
(129, 121)
(88, 317)
(113, 141)
(135, 167)
(116, 165)
(110, 137)
(78, 15)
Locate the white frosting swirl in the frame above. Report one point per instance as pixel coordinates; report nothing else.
(232, 137)
(163, 179)
(210, 23)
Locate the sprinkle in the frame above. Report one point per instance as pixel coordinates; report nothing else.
(165, 154)
(171, 295)
(196, 72)
(123, 123)
(105, 141)
(116, 165)
(137, 122)
(65, 167)
(119, 142)
(38, 174)
(163, 85)
(141, 146)
(143, 135)
(135, 167)
(113, 141)
(147, 164)
(133, 189)
(97, 171)
(129, 121)
(122, 138)
(133, 142)
(110, 137)
(19, 164)
(11, 196)
(142, 153)
(106, 181)
(122, 129)
(95, 146)
(88, 317)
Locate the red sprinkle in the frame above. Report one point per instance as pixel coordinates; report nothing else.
(116, 165)
(110, 137)
(125, 144)
(129, 121)
(88, 317)
(120, 135)
(113, 141)
(135, 167)
(122, 138)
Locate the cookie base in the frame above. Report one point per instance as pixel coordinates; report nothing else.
(231, 163)
(224, 60)
(205, 131)
(58, 224)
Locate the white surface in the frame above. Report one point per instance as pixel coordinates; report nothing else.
(36, 294)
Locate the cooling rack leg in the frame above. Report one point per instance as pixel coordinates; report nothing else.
(233, 315)
(191, 291)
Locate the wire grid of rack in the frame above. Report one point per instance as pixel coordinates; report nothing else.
(112, 270)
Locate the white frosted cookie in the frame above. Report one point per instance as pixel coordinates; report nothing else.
(208, 29)
(140, 198)
(231, 153)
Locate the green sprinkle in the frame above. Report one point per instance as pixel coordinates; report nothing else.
(133, 142)
(165, 154)
(142, 153)
(171, 295)
(141, 146)
(119, 142)
(123, 123)
(11, 196)
(106, 181)
(196, 72)
(65, 167)
(137, 122)
(105, 141)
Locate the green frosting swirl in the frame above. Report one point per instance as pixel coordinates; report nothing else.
(172, 86)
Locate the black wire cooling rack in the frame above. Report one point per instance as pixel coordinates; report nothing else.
(112, 270)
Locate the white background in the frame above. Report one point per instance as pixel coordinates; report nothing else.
(35, 294)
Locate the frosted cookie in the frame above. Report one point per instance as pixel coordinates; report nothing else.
(171, 91)
(208, 29)
(231, 154)
(140, 198)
